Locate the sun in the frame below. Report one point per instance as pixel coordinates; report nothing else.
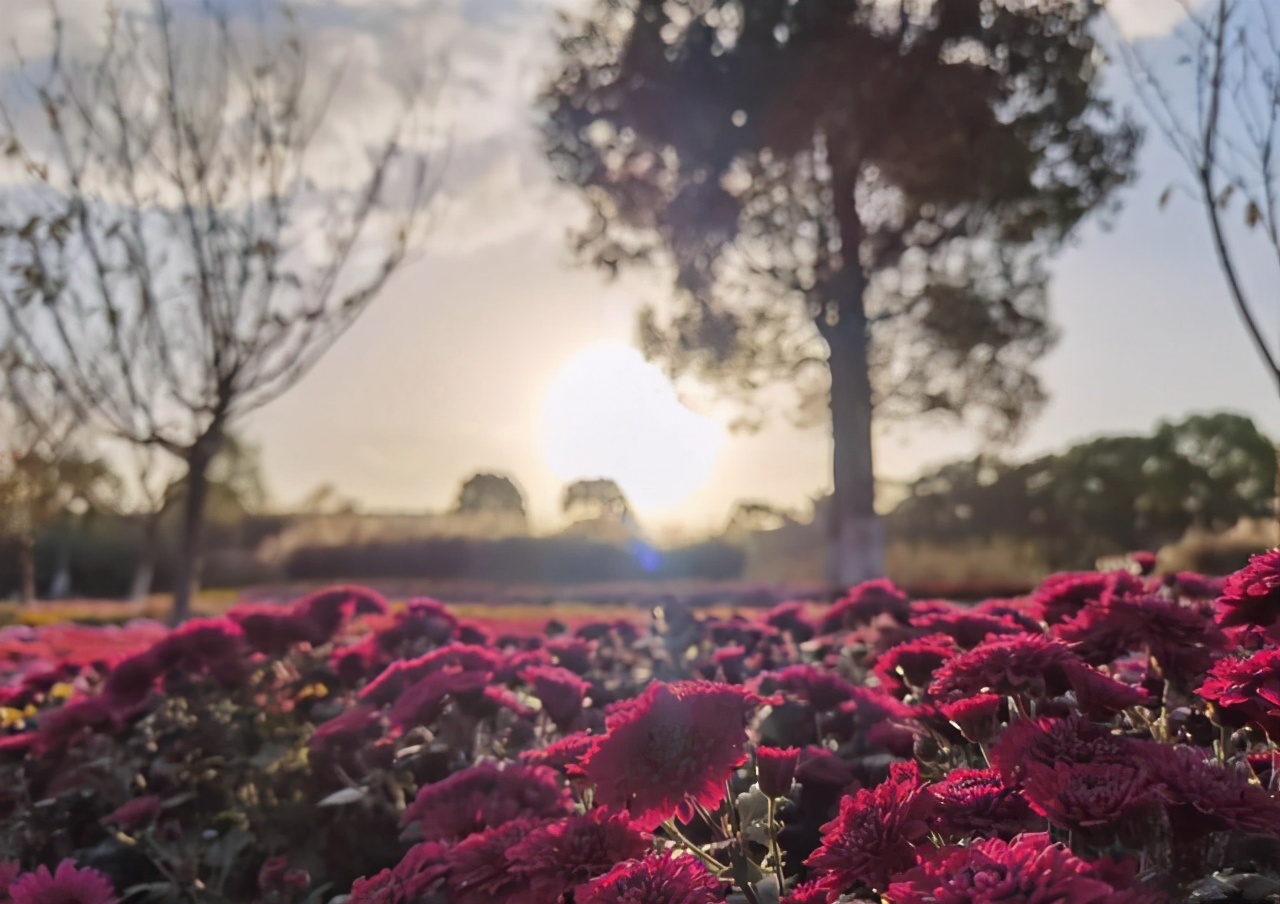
(609, 413)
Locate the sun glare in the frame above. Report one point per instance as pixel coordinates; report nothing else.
(609, 413)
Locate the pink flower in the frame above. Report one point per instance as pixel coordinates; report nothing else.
(1093, 798)
(479, 872)
(657, 879)
(776, 769)
(561, 754)
(1251, 596)
(1248, 689)
(67, 885)
(1029, 869)
(423, 701)
(410, 880)
(976, 802)
(486, 795)
(1204, 797)
(863, 603)
(388, 686)
(563, 855)
(560, 690)
(912, 664)
(676, 745)
(876, 832)
(1031, 667)
(1061, 596)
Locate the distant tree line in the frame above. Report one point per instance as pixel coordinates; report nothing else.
(1102, 497)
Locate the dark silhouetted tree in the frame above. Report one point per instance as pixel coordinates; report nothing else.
(853, 197)
(490, 493)
(193, 234)
(597, 499)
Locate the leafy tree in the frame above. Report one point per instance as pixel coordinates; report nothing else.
(1103, 497)
(750, 516)
(853, 197)
(183, 249)
(596, 499)
(483, 493)
(45, 472)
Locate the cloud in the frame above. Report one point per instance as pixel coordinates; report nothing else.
(1139, 19)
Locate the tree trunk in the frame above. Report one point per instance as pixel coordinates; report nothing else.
(27, 570)
(186, 573)
(856, 547)
(145, 570)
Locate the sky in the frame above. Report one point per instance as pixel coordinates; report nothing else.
(479, 354)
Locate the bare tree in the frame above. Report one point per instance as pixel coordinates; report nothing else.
(1227, 133)
(191, 238)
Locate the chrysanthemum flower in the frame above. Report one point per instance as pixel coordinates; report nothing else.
(1181, 638)
(389, 685)
(1061, 596)
(422, 702)
(776, 769)
(135, 814)
(967, 627)
(412, 879)
(486, 795)
(1093, 798)
(875, 833)
(560, 755)
(1203, 797)
(912, 664)
(1033, 667)
(977, 802)
(560, 691)
(657, 879)
(1251, 596)
(675, 746)
(822, 689)
(479, 871)
(67, 885)
(863, 603)
(1248, 689)
(562, 855)
(1030, 869)
(1075, 739)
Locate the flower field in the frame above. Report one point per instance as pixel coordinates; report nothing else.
(1108, 738)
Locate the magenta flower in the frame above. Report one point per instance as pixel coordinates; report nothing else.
(1029, 869)
(657, 879)
(676, 745)
(486, 795)
(67, 885)
(1251, 596)
(875, 833)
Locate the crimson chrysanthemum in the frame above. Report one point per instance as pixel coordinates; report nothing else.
(876, 832)
(776, 769)
(410, 880)
(1251, 596)
(676, 746)
(1203, 797)
(560, 691)
(486, 795)
(657, 879)
(863, 603)
(562, 855)
(977, 802)
(1028, 870)
(910, 665)
(68, 884)
(478, 869)
(1093, 798)
(1247, 689)
(1032, 667)
(1061, 596)
(1029, 742)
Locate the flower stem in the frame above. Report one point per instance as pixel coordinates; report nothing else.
(712, 862)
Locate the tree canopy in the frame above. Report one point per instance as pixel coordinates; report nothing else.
(495, 493)
(853, 198)
(1106, 496)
